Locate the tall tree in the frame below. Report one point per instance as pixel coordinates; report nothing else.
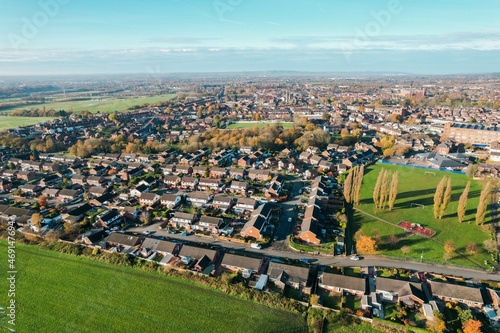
(359, 184)
(376, 190)
(348, 186)
(438, 197)
(483, 204)
(462, 203)
(366, 244)
(446, 199)
(384, 191)
(472, 326)
(394, 190)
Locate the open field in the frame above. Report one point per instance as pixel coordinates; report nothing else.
(259, 125)
(62, 293)
(107, 104)
(11, 122)
(417, 187)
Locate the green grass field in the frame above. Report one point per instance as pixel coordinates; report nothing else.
(259, 125)
(11, 122)
(415, 186)
(62, 293)
(110, 104)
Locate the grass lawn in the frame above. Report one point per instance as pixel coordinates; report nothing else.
(352, 302)
(330, 301)
(417, 187)
(259, 125)
(11, 122)
(355, 328)
(110, 104)
(62, 293)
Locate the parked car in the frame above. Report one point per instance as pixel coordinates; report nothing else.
(255, 246)
(354, 257)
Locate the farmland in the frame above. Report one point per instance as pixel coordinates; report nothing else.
(103, 105)
(417, 187)
(259, 125)
(11, 122)
(62, 293)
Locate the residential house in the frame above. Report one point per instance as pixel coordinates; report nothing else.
(245, 204)
(236, 173)
(96, 181)
(239, 187)
(68, 194)
(123, 240)
(108, 218)
(208, 223)
(282, 275)
(172, 181)
(262, 175)
(223, 202)
(150, 245)
(189, 182)
(170, 200)
(149, 199)
(237, 263)
(343, 284)
(28, 175)
(275, 187)
(183, 220)
(447, 292)
(199, 198)
(208, 184)
(218, 172)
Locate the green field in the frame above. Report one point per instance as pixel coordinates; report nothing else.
(417, 187)
(259, 125)
(11, 122)
(62, 293)
(109, 104)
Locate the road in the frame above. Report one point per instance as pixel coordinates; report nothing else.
(289, 210)
(286, 252)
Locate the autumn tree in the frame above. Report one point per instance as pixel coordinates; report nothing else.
(384, 190)
(438, 197)
(358, 184)
(376, 190)
(348, 186)
(472, 326)
(405, 250)
(393, 240)
(462, 203)
(449, 246)
(446, 199)
(366, 245)
(42, 201)
(483, 204)
(394, 190)
(471, 248)
(36, 220)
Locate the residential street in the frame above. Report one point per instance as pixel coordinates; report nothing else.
(281, 250)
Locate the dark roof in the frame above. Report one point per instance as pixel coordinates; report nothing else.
(196, 252)
(159, 245)
(456, 291)
(77, 211)
(412, 289)
(390, 285)
(275, 269)
(344, 281)
(241, 262)
(122, 239)
(96, 236)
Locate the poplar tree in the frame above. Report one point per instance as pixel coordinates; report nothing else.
(438, 197)
(446, 199)
(462, 203)
(348, 186)
(394, 190)
(384, 191)
(376, 190)
(359, 183)
(483, 204)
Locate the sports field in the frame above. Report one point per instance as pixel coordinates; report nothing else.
(259, 125)
(57, 292)
(106, 104)
(417, 187)
(11, 122)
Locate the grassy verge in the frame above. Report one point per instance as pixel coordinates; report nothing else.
(12, 122)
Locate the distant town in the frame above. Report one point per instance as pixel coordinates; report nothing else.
(373, 197)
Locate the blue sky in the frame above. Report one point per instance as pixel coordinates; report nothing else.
(162, 36)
